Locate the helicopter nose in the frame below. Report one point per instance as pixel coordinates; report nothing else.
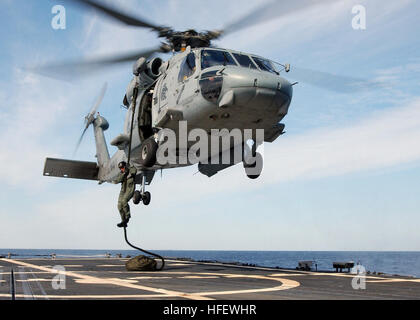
(244, 87)
(286, 88)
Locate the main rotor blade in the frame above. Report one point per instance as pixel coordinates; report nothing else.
(118, 15)
(337, 83)
(69, 70)
(271, 10)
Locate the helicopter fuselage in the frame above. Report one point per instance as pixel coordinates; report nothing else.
(208, 89)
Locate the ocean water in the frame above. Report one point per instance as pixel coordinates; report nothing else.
(398, 262)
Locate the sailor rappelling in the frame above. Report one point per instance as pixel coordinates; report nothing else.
(126, 178)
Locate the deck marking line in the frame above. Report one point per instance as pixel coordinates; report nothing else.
(108, 265)
(118, 296)
(285, 274)
(346, 275)
(113, 281)
(149, 278)
(394, 280)
(200, 277)
(39, 285)
(36, 279)
(89, 281)
(27, 290)
(286, 283)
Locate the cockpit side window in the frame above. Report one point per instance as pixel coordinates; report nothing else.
(265, 65)
(244, 61)
(210, 58)
(188, 67)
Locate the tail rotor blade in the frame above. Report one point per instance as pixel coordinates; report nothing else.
(80, 141)
(90, 118)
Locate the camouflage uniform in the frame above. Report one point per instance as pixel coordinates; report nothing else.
(127, 191)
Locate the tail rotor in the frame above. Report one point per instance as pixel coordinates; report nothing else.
(90, 118)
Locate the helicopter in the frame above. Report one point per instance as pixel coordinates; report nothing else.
(201, 87)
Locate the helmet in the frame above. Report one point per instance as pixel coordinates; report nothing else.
(122, 164)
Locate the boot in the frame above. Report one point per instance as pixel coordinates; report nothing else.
(122, 224)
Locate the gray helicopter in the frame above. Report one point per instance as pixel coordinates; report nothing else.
(205, 87)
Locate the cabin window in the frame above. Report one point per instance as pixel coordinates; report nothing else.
(244, 61)
(188, 67)
(210, 58)
(265, 65)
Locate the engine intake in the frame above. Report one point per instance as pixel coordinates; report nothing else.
(153, 66)
(145, 73)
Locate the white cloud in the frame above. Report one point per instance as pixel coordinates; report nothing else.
(385, 138)
(39, 114)
(391, 139)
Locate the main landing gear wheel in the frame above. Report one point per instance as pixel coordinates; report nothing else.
(136, 197)
(148, 152)
(142, 195)
(253, 171)
(146, 197)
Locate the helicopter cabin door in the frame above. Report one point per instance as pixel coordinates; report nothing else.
(176, 93)
(187, 82)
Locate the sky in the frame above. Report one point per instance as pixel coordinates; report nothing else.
(345, 176)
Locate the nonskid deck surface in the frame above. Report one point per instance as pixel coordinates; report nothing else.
(107, 278)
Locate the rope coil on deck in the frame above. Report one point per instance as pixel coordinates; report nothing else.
(145, 251)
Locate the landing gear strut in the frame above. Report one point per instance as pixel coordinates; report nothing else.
(142, 195)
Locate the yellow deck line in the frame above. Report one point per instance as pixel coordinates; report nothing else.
(285, 284)
(120, 296)
(114, 281)
(394, 280)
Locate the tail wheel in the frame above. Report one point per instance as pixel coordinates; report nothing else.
(146, 198)
(148, 152)
(136, 197)
(253, 171)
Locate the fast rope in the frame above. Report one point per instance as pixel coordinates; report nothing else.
(135, 93)
(145, 251)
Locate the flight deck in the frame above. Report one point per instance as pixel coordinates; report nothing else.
(107, 278)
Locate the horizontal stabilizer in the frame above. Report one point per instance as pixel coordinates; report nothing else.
(71, 169)
(121, 141)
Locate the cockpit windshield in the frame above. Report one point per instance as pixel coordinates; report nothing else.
(265, 65)
(210, 58)
(245, 61)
